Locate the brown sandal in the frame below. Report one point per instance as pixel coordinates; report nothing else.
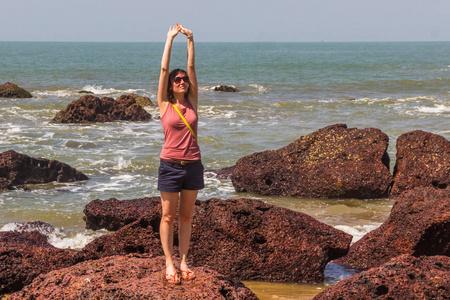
(173, 278)
(187, 275)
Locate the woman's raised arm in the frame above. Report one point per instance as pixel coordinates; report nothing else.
(164, 75)
(193, 90)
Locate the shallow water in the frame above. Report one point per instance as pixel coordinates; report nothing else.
(287, 90)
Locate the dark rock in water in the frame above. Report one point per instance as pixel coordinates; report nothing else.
(332, 162)
(113, 214)
(91, 109)
(10, 90)
(241, 238)
(141, 100)
(85, 92)
(423, 160)
(224, 173)
(19, 169)
(419, 224)
(130, 277)
(404, 277)
(24, 256)
(225, 88)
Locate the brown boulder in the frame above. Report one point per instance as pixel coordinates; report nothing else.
(333, 162)
(141, 100)
(113, 214)
(404, 277)
(24, 256)
(91, 109)
(423, 160)
(129, 277)
(419, 224)
(10, 90)
(19, 169)
(241, 238)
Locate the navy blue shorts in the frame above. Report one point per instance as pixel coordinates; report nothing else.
(173, 177)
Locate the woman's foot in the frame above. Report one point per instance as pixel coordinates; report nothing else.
(187, 274)
(172, 276)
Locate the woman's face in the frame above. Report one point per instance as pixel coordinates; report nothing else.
(180, 83)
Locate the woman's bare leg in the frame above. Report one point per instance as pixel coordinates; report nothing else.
(169, 202)
(187, 204)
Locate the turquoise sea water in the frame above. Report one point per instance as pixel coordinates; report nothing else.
(287, 90)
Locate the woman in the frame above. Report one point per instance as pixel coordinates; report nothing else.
(180, 173)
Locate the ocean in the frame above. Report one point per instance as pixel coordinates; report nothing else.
(286, 90)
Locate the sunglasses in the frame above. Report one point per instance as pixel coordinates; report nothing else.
(178, 79)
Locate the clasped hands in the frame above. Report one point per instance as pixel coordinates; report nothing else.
(173, 31)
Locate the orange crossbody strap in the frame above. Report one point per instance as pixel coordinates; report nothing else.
(185, 122)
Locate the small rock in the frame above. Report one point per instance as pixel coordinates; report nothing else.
(225, 88)
(11, 90)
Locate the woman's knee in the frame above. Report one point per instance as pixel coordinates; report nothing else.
(168, 218)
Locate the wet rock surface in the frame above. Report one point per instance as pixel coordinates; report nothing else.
(333, 162)
(240, 238)
(11, 90)
(423, 160)
(17, 170)
(404, 277)
(91, 109)
(419, 224)
(24, 256)
(130, 277)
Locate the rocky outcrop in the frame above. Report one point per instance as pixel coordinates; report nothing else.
(404, 277)
(17, 170)
(333, 162)
(130, 277)
(419, 224)
(140, 100)
(91, 109)
(113, 214)
(24, 256)
(11, 90)
(226, 88)
(423, 160)
(241, 238)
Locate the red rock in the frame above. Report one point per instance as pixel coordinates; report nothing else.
(24, 256)
(11, 90)
(404, 277)
(19, 169)
(90, 109)
(240, 238)
(419, 224)
(333, 162)
(423, 160)
(112, 214)
(129, 277)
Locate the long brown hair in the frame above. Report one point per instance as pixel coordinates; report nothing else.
(172, 75)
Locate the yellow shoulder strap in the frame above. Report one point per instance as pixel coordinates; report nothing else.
(185, 122)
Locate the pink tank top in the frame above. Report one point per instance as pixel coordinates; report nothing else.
(179, 143)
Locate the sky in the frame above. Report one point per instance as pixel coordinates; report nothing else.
(226, 21)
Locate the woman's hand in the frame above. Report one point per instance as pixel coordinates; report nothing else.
(185, 31)
(173, 31)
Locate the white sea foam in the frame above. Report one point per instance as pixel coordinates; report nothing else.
(56, 236)
(77, 241)
(214, 113)
(437, 109)
(357, 231)
(14, 129)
